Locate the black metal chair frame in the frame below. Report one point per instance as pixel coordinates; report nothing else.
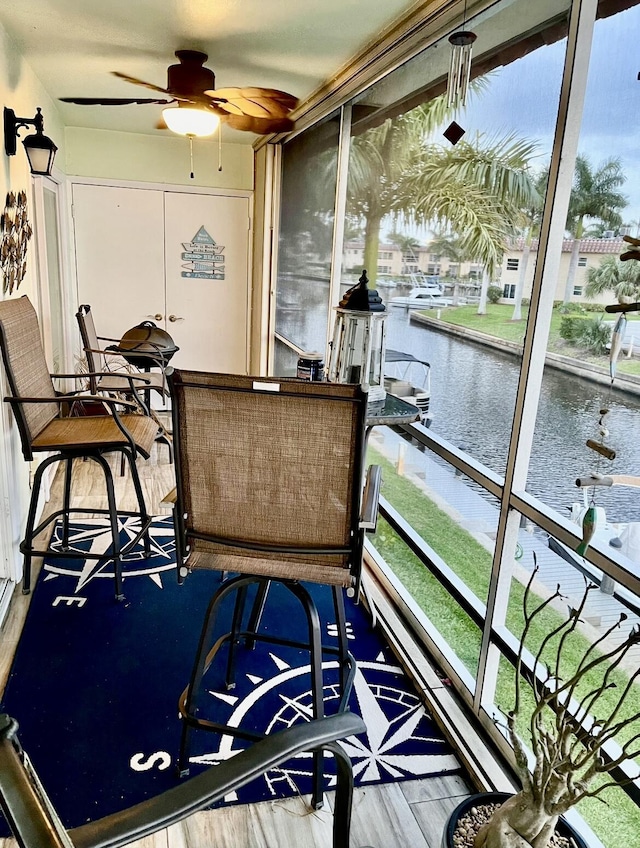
(155, 360)
(249, 634)
(35, 824)
(116, 552)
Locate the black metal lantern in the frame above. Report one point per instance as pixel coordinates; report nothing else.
(40, 150)
(358, 346)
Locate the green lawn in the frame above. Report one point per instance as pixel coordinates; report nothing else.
(497, 322)
(619, 819)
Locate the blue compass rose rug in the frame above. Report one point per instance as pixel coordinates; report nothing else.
(95, 685)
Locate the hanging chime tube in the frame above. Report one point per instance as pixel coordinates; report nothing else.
(460, 68)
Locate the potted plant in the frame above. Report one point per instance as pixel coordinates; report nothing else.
(565, 763)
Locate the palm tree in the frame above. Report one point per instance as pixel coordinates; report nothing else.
(378, 160)
(449, 245)
(407, 244)
(476, 188)
(622, 278)
(480, 189)
(594, 195)
(531, 230)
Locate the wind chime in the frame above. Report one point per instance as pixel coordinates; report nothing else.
(595, 478)
(459, 75)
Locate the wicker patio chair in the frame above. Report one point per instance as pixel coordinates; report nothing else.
(38, 410)
(269, 484)
(35, 824)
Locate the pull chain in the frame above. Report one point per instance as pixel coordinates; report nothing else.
(220, 146)
(191, 155)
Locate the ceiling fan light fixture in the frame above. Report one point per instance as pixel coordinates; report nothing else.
(190, 121)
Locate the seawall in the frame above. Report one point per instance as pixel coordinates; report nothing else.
(627, 383)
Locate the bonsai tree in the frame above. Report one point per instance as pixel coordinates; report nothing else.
(565, 760)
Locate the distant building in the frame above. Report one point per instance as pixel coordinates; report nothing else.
(395, 264)
(392, 262)
(592, 251)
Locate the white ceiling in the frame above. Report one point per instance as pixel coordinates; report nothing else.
(293, 45)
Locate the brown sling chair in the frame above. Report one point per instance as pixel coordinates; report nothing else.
(34, 823)
(38, 410)
(269, 476)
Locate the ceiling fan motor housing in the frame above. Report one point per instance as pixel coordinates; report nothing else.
(189, 78)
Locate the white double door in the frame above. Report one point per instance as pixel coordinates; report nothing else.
(178, 259)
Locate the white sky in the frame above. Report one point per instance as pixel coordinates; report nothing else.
(523, 99)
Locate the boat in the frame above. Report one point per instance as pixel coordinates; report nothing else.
(409, 379)
(386, 283)
(422, 297)
(426, 281)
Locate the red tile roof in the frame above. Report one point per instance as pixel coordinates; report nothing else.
(587, 245)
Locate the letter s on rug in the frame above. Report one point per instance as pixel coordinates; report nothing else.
(139, 763)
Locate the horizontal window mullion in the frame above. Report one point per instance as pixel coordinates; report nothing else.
(566, 531)
(471, 605)
(456, 457)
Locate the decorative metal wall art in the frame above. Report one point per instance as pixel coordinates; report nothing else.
(15, 232)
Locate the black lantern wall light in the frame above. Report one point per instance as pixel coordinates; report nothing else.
(39, 148)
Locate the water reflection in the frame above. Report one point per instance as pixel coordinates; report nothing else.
(302, 311)
(473, 392)
(472, 398)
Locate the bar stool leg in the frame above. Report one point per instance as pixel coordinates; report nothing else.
(27, 544)
(113, 519)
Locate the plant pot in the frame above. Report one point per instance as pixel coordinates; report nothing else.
(563, 827)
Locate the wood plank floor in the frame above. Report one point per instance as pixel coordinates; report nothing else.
(401, 815)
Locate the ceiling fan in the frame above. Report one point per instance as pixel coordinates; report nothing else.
(192, 87)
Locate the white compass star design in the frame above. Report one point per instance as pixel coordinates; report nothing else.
(393, 747)
(94, 536)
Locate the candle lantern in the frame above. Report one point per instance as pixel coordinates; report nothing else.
(358, 346)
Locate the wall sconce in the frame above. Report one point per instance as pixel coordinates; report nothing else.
(39, 148)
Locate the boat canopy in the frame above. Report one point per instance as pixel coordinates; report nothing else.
(400, 356)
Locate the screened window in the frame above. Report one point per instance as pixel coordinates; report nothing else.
(462, 516)
(305, 242)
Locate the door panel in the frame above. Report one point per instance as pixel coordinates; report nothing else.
(119, 255)
(131, 258)
(206, 260)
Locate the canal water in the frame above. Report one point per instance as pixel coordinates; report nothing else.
(473, 391)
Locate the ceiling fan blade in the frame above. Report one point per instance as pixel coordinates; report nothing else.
(260, 126)
(257, 91)
(256, 102)
(137, 81)
(110, 101)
